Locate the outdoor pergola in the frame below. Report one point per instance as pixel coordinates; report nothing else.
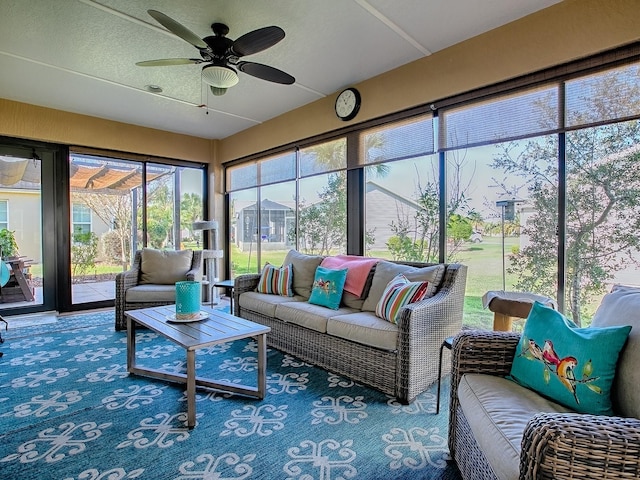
(84, 174)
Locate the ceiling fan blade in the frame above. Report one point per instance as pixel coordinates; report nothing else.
(265, 72)
(168, 61)
(177, 28)
(257, 41)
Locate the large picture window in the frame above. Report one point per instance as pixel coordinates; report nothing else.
(535, 188)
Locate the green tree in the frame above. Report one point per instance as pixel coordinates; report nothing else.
(459, 228)
(190, 211)
(603, 197)
(84, 251)
(322, 225)
(160, 213)
(114, 209)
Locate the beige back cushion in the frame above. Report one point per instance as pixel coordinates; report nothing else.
(304, 271)
(622, 307)
(386, 271)
(164, 267)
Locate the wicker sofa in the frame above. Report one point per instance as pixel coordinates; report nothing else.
(400, 360)
(498, 429)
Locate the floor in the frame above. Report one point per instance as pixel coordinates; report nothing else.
(81, 293)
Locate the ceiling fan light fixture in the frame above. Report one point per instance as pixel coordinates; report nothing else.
(217, 91)
(219, 77)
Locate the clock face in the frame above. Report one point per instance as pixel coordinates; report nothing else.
(347, 104)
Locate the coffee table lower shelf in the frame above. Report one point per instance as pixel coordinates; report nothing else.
(218, 328)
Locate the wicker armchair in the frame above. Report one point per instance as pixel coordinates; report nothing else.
(554, 445)
(154, 295)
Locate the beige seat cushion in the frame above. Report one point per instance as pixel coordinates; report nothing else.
(151, 294)
(265, 303)
(386, 271)
(308, 315)
(498, 410)
(364, 328)
(622, 307)
(164, 267)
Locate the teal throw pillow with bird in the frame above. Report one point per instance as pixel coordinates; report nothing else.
(572, 366)
(327, 287)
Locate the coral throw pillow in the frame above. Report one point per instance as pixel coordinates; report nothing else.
(276, 281)
(572, 366)
(399, 293)
(327, 288)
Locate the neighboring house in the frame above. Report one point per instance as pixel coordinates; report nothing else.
(20, 207)
(385, 208)
(276, 220)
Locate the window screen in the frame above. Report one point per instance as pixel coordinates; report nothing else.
(324, 157)
(399, 141)
(530, 113)
(603, 97)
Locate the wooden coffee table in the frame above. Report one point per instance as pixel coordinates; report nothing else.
(219, 327)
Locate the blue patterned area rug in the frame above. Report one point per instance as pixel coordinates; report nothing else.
(69, 410)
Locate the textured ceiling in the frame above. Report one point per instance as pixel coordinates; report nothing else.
(79, 55)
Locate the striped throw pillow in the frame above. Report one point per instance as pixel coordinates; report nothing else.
(276, 280)
(398, 293)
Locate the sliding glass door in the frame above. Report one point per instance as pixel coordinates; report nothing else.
(25, 186)
(119, 206)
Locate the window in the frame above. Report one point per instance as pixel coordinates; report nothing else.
(533, 184)
(401, 191)
(4, 214)
(81, 219)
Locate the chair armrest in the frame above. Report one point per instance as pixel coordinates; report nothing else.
(194, 275)
(124, 281)
(571, 445)
(127, 279)
(478, 351)
(483, 351)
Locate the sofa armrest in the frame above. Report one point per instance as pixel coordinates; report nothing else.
(247, 282)
(570, 445)
(422, 327)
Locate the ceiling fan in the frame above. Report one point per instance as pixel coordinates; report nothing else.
(222, 55)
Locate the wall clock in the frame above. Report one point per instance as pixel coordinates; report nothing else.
(347, 104)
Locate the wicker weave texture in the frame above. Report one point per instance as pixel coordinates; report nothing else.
(403, 373)
(131, 278)
(555, 445)
(468, 456)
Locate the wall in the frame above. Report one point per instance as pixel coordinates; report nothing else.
(22, 120)
(567, 31)
(25, 220)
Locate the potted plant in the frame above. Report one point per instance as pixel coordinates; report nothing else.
(8, 245)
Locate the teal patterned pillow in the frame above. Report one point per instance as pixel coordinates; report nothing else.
(572, 366)
(327, 287)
